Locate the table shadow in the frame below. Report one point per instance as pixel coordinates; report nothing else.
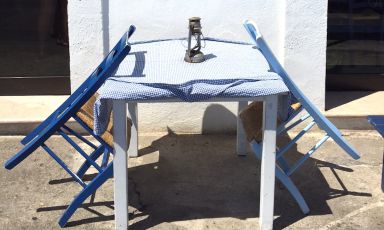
(201, 177)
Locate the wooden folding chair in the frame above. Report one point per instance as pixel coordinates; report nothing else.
(79, 106)
(299, 104)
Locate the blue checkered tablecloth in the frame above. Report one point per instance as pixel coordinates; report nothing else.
(156, 70)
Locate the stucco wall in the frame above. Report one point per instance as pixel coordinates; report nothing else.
(94, 26)
(305, 42)
(85, 30)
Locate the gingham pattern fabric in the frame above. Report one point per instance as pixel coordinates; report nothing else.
(156, 70)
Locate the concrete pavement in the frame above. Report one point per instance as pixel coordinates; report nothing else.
(197, 182)
(347, 110)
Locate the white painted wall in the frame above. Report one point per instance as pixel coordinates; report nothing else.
(85, 38)
(305, 42)
(288, 26)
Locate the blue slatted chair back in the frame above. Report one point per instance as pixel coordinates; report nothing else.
(283, 169)
(377, 122)
(56, 123)
(84, 92)
(298, 95)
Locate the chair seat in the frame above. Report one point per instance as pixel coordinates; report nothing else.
(86, 114)
(252, 120)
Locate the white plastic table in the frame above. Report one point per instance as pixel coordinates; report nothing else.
(121, 147)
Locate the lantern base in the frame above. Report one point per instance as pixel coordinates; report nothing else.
(194, 57)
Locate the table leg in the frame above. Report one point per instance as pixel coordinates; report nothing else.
(133, 143)
(241, 140)
(268, 162)
(120, 171)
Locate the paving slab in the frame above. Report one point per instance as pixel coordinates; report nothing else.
(198, 182)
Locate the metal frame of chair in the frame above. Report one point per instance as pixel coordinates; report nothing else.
(283, 170)
(56, 123)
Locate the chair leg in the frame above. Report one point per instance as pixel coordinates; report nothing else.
(283, 164)
(287, 182)
(20, 156)
(85, 193)
(85, 166)
(336, 136)
(106, 156)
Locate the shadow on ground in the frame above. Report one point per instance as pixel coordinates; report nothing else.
(188, 177)
(198, 181)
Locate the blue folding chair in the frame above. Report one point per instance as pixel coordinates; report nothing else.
(377, 121)
(283, 169)
(56, 123)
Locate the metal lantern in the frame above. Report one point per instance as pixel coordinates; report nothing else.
(193, 54)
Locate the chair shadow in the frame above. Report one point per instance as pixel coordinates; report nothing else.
(233, 187)
(86, 177)
(87, 206)
(200, 176)
(313, 186)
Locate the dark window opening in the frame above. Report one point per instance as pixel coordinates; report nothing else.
(355, 45)
(34, 47)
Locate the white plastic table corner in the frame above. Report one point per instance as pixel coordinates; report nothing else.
(267, 184)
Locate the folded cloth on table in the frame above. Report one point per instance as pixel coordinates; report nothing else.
(156, 70)
(86, 114)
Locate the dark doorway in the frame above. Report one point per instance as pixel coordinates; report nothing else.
(355, 49)
(34, 47)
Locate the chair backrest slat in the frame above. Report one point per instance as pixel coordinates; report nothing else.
(282, 129)
(307, 155)
(63, 165)
(295, 139)
(321, 121)
(69, 108)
